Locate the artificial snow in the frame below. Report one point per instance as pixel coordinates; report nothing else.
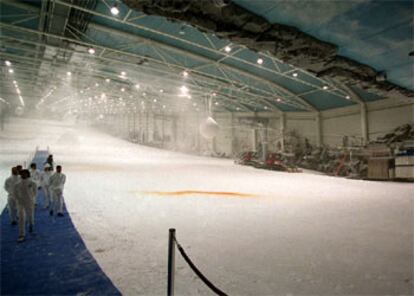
(291, 233)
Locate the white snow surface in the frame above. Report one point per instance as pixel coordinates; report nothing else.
(300, 233)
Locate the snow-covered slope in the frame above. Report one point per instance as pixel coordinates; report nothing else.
(294, 233)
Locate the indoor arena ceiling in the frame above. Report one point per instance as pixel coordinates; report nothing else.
(76, 54)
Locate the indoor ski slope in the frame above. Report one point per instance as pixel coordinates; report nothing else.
(276, 234)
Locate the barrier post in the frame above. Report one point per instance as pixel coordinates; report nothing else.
(171, 262)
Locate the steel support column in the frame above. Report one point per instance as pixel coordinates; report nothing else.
(318, 129)
(282, 124)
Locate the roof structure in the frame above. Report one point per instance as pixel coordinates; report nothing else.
(77, 55)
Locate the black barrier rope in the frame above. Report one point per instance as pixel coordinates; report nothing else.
(198, 272)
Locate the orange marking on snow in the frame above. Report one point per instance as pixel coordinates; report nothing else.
(196, 192)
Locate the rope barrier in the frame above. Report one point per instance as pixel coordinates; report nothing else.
(198, 272)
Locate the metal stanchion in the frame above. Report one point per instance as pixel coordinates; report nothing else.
(171, 262)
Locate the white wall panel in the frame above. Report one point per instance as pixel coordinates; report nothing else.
(305, 127)
(335, 128)
(382, 117)
(384, 121)
(223, 141)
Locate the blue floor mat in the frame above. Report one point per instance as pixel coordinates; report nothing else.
(52, 261)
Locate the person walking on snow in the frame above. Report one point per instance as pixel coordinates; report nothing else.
(44, 183)
(35, 176)
(56, 184)
(50, 161)
(11, 199)
(25, 192)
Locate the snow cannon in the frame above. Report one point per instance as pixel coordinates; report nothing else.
(209, 128)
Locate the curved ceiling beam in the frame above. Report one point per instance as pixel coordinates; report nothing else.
(12, 27)
(224, 97)
(203, 59)
(196, 56)
(280, 88)
(110, 59)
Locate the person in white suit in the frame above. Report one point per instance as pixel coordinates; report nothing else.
(44, 183)
(35, 176)
(56, 185)
(25, 191)
(11, 199)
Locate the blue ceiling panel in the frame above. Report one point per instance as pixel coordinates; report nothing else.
(366, 96)
(282, 81)
(212, 70)
(287, 108)
(324, 101)
(16, 16)
(161, 38)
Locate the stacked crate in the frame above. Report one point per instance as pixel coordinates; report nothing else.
(380, 163)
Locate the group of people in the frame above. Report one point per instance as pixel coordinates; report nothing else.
(22, 188)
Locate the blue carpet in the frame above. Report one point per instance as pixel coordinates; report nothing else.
(52, 261)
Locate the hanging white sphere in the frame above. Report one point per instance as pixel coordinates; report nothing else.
(209, 128)
(19, 111)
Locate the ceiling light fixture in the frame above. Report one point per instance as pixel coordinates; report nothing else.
(184, 89)
(11, 71)
(91, 51)
(185, 74)
(122, 89)
(8, 63)
(107, 80)
(181, 31)
(295, 74)
(260, 61)
(137, 86)
(348, 97)
(325, 87)
(69, 73)
(227, 48)
(115, 9)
